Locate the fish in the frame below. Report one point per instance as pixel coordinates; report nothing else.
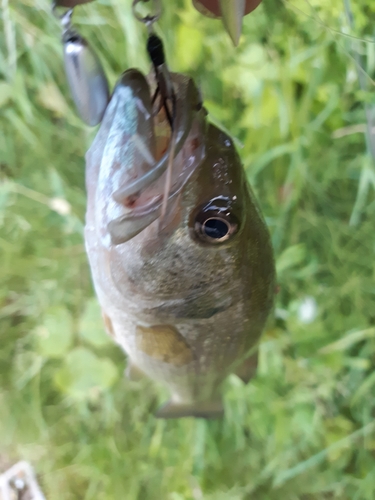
(185, 293)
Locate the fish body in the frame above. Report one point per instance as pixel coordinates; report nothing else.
(187, 294)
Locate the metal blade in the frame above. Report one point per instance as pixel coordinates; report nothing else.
(232, 13)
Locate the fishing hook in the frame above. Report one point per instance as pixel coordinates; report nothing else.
(155, 51)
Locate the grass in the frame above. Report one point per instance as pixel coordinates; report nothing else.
(304, 427)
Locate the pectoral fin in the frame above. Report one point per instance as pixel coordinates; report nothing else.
(205, 409)
(248, 368)
(164, 343)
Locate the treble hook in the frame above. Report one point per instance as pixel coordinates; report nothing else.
(164, 82)
(155, 50)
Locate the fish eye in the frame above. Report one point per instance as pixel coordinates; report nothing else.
(215, 228)
(213, 225)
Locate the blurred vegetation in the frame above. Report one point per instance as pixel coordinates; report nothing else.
(304, 427)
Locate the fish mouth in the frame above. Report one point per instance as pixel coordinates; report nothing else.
(169, 152)
(182, 125)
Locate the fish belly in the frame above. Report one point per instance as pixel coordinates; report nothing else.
(191, 357)
(165, 355)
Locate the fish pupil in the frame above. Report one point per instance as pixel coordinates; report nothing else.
(216, 228)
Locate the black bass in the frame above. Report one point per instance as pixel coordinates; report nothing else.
(186, 293)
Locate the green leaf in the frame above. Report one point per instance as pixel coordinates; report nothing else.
(84, 372)
(55, 334)
(292, 256)
(349, 340)
(91, 327)
(5, 93)
(51, 98)
(191, 49)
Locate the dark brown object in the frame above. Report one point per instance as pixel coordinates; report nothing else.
(213, 6)
(70, 3)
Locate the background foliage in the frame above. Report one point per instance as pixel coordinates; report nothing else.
(304, 427)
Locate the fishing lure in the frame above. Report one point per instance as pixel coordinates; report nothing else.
(87, 81)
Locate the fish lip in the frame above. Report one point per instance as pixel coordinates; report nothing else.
(183, 128)
(191, 120)
(148, 213)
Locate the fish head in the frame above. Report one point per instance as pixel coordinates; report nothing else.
(209, 250)
(211, 247)
(127, 163)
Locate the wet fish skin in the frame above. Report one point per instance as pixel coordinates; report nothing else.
(188, 311)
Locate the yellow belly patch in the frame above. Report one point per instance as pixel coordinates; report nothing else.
(163, 343)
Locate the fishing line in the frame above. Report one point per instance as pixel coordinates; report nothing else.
(164, 87)
(321, 23)
(334, 32)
